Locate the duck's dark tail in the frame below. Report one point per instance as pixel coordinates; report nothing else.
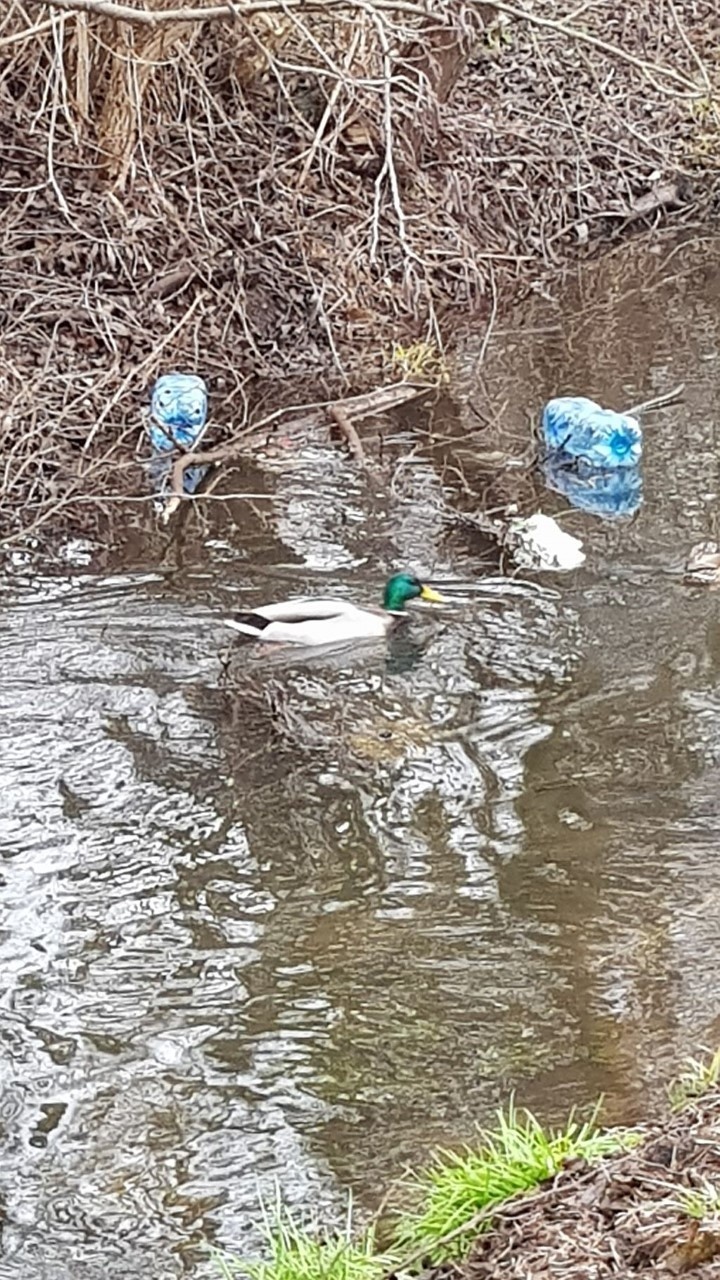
(248, 624)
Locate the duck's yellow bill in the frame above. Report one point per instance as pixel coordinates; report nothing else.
(434, 597)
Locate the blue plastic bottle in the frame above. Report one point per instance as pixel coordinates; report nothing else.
(575, 427)
(179, 411)
(178, 415)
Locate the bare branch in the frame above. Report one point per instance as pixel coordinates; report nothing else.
(232, 10)
(218, 12)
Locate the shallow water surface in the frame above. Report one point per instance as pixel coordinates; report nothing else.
(301, 919)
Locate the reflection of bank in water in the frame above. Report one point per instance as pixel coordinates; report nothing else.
(311, 717)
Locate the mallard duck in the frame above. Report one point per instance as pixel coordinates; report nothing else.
(310, 622)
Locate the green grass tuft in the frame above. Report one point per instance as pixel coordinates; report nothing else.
(701, 1203)
(515, 1157)
(518, 1156)
(697, 1076)
(295, 1252)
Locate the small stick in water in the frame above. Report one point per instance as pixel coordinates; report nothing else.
(342, 420)
(657, 402)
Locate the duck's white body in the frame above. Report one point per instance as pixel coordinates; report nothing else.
(313, 622)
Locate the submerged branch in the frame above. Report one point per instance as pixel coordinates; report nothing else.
(341, 419)
(342, 412)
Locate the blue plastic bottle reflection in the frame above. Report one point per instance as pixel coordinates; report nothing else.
(599, 491)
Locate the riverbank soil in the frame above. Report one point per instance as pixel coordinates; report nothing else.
(281, 200)
(654, 1211)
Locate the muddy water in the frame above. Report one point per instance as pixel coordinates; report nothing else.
(300, 920)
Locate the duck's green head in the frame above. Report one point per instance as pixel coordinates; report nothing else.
(405, 586)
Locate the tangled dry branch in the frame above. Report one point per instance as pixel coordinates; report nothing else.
(277, 199)
(232, 11)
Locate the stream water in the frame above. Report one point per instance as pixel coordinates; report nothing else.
(301, 920)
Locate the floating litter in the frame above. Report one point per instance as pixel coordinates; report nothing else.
(578, 428)
(179, 411)
(538, 542)
(703, 564)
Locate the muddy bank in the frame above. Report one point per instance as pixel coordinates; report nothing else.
(285, 203)
(652, 1211)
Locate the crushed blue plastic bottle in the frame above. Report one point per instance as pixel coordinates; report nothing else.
(576, 427)
(601, 491)
(178, 412)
